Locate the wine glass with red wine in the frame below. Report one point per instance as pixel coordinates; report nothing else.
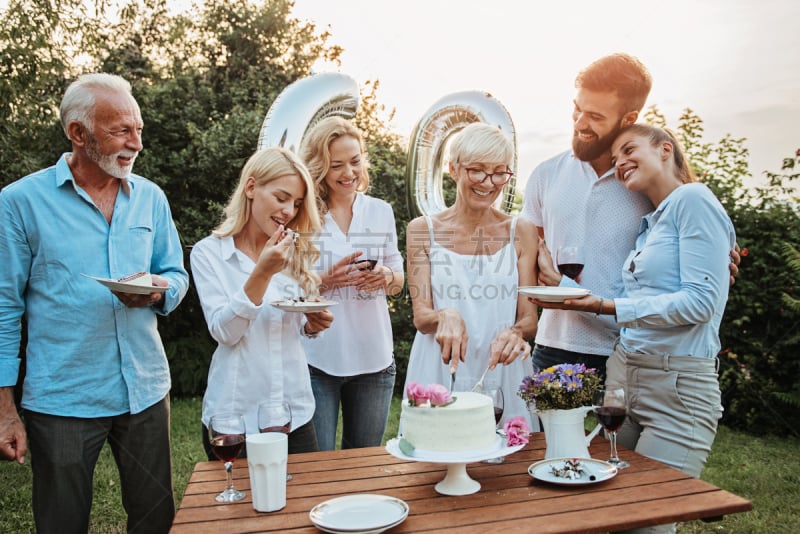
(275, 416)
(496, 394)
(226, 433)
(610, 410)
(366, 265)
(569, 259)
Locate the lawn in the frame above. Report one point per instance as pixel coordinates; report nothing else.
(763, 469)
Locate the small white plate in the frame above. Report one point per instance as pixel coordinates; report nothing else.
(308, 306)
(600, 470)
(553, 293)
(122, 287)
(365, 513)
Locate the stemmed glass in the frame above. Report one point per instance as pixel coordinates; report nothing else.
(226, 433)
(569, 259)
(496, 394)
(359, 263)
(275, 416)
(610, 409)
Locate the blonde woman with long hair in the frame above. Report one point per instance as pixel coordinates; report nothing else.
(354, 365)
(262, 251)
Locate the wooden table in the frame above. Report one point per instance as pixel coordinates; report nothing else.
(647, 493)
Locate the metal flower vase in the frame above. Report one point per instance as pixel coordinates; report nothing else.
(564, 432)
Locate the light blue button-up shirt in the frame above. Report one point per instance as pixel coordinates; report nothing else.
(676, 279)
(88, 355)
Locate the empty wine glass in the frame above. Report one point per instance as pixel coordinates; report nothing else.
(569, 259)
(226, 433)
(496, 394)
(275, 416)
(610, 409)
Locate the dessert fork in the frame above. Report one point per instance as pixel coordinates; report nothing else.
(478, 388)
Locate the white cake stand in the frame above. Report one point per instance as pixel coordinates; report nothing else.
(457, 481)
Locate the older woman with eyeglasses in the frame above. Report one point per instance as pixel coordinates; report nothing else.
(464, 267)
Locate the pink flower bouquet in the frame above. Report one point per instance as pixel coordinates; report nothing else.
(517, 431)
(435, 394)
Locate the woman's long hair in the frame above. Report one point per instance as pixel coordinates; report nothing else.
(264, 166)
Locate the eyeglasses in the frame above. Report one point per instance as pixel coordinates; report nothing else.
(477, 176)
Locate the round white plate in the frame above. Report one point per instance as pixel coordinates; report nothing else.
(553, 293)
(461, 457)
(122, 287)
(600, 470)
(365, 513)
(303, 307)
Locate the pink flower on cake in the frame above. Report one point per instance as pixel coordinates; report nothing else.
(417, 394)
(439, 395)
(517, 431)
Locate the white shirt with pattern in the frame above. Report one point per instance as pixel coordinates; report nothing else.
(574, 206)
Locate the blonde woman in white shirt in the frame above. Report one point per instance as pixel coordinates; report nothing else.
(250, 260)
(353, 366)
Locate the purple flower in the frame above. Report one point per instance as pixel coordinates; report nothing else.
(562, 386)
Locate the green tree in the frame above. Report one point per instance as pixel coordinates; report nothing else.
(792, 300)
(204, 80)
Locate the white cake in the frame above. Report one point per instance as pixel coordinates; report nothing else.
(138, 279)
(464, 425)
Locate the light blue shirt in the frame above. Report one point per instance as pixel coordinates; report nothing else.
(677, 277)
(88, 355)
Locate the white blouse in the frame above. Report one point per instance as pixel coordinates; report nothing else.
(359, 340)
(259, 356)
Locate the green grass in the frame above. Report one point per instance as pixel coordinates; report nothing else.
(107, 513)
(763, 469)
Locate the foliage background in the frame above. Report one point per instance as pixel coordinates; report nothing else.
(206, 77)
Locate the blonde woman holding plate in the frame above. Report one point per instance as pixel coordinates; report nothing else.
(250, 260)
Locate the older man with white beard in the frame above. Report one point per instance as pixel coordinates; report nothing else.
(96, 370)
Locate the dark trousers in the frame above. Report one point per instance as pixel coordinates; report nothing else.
(544, 357)
(64, 452)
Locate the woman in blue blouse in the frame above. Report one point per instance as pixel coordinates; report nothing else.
(676, 286)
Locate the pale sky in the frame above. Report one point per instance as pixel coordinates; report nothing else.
(734, 62)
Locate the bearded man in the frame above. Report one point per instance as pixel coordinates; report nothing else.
(574, 199)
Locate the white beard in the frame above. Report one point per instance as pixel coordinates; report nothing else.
(108, 163)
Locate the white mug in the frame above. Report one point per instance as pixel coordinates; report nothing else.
(267, 455)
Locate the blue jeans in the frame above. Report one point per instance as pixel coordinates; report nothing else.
(365, 401)
(544, 357)
(64, 452)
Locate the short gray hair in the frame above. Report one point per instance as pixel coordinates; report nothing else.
(481, 143)
(80, 97)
